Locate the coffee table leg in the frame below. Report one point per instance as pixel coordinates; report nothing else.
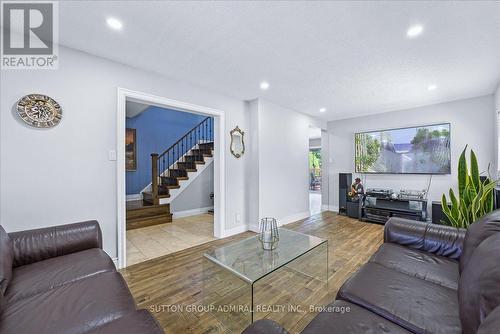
(227, 297)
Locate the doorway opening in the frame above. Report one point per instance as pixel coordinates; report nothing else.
(315, 166)
(170, 176)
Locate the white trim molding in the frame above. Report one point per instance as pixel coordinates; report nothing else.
(192, 212)
(124, 95)
(134, 197)
(293, 218)
(235, 230)
(285, 220)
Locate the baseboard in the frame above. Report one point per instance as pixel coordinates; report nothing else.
(283, 221)
(293, 218)
(133, 197)
(235, 230)
(254, 228)
(192, 212)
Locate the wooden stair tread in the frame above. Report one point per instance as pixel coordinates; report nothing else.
(139, 205)
(149, 221)
(150, 194)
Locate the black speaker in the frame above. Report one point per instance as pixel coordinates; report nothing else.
(437, 213)
(345, 182)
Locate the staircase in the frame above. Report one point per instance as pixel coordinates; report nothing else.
(168, 170)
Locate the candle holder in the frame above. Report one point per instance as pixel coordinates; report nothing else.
(269, 235)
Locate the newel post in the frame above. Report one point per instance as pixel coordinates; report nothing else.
(154, 177)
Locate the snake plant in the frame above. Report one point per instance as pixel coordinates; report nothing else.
(475, 198)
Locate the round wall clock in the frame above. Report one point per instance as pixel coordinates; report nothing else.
(39, 110)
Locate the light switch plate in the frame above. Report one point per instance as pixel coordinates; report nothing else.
(112, 155)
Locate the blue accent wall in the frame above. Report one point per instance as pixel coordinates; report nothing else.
(156, 130)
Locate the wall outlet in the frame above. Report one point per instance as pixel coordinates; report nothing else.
(238, 218)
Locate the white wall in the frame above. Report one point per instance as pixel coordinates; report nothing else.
(252, 184)
(62, 175)
(197, 194)
(282, 181)
(473, 122)
(325, 171)
(497, 99)
(497, 108)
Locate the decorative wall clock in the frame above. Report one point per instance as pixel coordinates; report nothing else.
(40, 111)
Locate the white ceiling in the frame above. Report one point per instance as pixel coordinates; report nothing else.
(352, 58)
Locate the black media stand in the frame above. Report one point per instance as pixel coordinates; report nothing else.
(380, 209)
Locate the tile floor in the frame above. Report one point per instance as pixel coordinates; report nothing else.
(150, 242)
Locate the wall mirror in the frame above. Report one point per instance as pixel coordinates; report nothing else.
(237, 144)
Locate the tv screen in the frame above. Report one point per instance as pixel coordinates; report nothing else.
(416, 150)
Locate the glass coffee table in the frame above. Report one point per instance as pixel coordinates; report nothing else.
(242, 281)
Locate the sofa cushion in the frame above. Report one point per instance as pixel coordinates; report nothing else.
(6, 258)
(72, 308)
(423, 265)
(138, 322)
(479, 286)
(491, 324)
(354, 320)
(480, 230)
(47, 274)
(415, 304)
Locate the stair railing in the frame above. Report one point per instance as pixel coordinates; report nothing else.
(161, 163)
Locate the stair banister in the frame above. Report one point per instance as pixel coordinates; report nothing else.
(154, 181)
(173, 154)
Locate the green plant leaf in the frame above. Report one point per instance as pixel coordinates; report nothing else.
(474, 171)
(465, 214)
(475, 198)
(462, 173)
(455, 206)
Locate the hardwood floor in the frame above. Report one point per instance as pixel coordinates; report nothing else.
(177, 279)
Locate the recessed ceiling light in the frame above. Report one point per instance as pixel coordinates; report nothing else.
(114, 23)
(322, 109)
(432, 87)
(264, 85)
(414, 31)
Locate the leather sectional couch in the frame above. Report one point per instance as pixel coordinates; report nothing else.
(425, 278)
(59, 280)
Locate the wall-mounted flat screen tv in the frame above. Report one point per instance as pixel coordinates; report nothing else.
(415, 150)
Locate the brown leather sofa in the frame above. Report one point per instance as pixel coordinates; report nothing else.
(425, 278)
(59, 280)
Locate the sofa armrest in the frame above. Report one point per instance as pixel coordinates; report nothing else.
(438, 239)
(265, 326)
(36, 245)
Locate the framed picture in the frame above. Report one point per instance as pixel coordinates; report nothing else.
(130, 150)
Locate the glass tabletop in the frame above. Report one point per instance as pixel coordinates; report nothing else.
(249, 261)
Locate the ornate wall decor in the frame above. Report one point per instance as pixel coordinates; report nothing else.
(39, 110)
(237, 146)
